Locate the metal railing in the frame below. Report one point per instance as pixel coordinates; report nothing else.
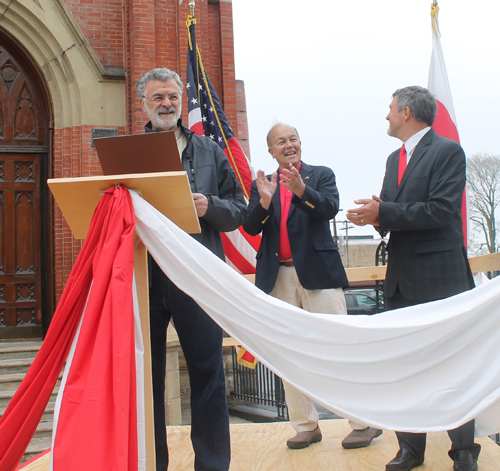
(259, 386)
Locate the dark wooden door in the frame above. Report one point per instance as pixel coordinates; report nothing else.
(23, 165)
(20, 290)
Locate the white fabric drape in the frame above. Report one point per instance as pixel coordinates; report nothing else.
(425, 368)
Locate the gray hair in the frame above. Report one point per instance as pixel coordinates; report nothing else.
(268, 137)
(420, 101)
(162, 74)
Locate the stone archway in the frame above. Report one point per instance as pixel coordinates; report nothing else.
(26, 245)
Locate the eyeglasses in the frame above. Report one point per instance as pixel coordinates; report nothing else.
(161, 98)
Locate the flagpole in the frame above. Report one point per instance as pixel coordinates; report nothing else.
(191, 7)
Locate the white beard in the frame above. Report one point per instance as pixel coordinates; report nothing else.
(163, 122)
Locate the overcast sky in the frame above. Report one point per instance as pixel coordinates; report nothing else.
(329, 68)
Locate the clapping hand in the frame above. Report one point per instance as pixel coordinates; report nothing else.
(266, 187)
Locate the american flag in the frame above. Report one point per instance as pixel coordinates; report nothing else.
(206, 117)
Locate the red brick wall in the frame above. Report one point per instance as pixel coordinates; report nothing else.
(167, 42)
(227, 62)
(74, 156)
(210, 47)
(241, 104)
(102, 24)
(139, 35)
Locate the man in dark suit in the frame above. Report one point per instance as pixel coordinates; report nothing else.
(420, 205)
(298, 260)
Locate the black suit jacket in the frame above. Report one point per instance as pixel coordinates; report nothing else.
(427, 256)
(315, 254)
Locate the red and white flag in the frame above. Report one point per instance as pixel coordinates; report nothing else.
(446, 121)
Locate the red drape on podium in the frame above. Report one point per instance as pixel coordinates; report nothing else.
(97, 423)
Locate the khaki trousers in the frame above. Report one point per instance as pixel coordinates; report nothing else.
(302, 413)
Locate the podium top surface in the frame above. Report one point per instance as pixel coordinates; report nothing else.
(168, 192)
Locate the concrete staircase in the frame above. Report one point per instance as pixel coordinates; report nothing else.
(15, 359)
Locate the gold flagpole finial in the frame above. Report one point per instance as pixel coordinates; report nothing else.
(191, 20)
(434, 17)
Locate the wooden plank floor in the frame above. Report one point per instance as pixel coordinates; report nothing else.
(262, 447)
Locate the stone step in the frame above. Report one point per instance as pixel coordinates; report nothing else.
(20, 349)
(44, 430)
(5, 397)
(36, 446)
(15, 365)
(16, 358)
(10, 382)
(48, 415)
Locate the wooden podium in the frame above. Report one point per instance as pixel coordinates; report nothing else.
(169, 193)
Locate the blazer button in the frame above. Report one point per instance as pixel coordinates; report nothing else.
(276, 255)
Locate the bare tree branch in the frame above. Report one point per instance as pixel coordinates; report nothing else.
(483, 184)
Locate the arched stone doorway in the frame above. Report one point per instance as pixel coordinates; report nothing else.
(26, 241)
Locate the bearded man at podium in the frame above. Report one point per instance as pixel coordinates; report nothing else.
(221, 207)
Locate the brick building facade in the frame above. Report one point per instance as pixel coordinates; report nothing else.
(71, 66)
(241, 103)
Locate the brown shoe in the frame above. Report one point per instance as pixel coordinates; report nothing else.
(304, 439)
(361, 438)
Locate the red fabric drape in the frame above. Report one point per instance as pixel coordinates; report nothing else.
(107, 255)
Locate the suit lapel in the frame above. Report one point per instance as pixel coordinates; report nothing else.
(390, 184)
(418, 153)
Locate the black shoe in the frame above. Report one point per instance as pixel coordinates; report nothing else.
(464, 461)
(404, 461)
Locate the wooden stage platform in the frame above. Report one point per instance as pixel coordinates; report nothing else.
(262, 447)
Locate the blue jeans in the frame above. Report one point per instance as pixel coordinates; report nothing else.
(201, 341)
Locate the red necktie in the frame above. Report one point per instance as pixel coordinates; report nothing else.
(402, 163)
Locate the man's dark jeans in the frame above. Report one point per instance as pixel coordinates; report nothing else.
(201, 341)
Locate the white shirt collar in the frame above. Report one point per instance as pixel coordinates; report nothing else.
(413, 141)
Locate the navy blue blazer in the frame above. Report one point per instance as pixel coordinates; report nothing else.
(427, 256)
(315, 254)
